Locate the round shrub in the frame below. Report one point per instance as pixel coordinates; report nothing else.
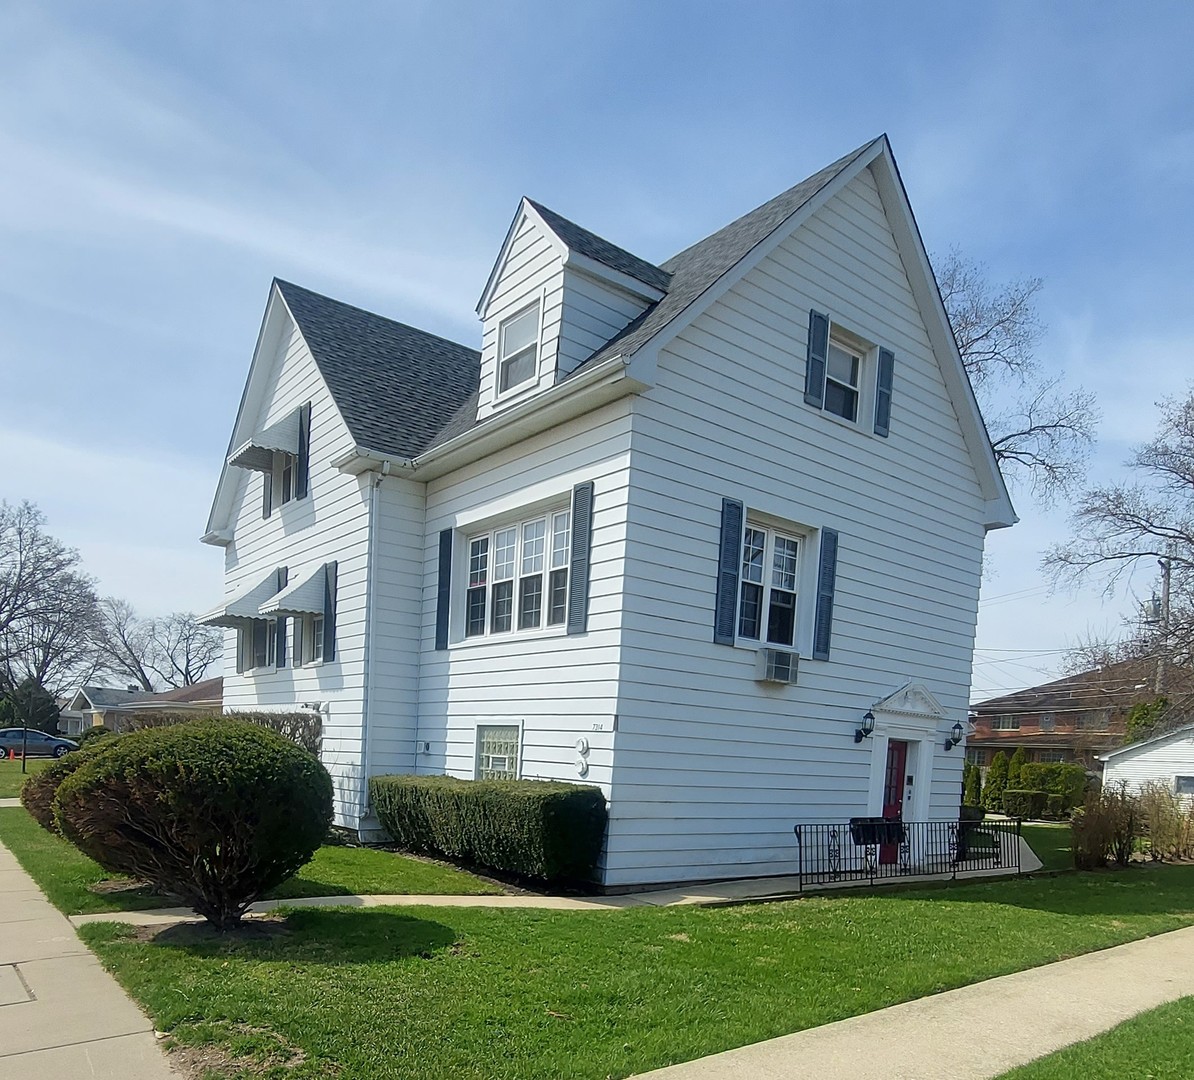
(39, 791)
(93, 733)
(214, 813)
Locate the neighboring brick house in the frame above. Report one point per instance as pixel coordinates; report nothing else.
(1078, 718)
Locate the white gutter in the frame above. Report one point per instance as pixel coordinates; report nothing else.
(370, 625)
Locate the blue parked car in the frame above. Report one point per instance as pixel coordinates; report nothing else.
(39, 743)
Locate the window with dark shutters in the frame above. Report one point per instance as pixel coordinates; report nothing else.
(818, 349)
(826, 583)
(729, 554)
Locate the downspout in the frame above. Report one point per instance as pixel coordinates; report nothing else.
(370, 623)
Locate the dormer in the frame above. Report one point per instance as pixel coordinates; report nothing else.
(556, 294)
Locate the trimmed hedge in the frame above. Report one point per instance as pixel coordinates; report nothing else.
(1066, 779)
(971, 813)
(1055, 806)
(96, 731)
(214, 813)
(1017, 802)
(304, 729)
(534, 828)
(39, 791)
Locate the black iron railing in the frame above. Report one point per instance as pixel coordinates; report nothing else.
(866, 850)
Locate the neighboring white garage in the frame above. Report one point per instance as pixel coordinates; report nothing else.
(1168, 758)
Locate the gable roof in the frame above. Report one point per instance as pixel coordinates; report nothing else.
(100, 697)
(1184, 730)
(395, 386)
(695, 269)
(600, 250)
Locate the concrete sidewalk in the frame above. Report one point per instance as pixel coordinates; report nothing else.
(61, 1014)
(976, 1032)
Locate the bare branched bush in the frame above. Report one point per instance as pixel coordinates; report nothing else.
(1167, 823)
(1105, 827)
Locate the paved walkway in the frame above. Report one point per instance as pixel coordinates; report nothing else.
(976, 1032)
(61, 1014)
(9, 803)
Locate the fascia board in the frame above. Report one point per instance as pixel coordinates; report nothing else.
(525, 211)
(627, 283)
(761, 250)
(999, 511)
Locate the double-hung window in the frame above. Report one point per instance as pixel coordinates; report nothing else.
(518, 576)
(256, 641)
(767, 586)
(286, 466)
(518, 349)
(841, 381)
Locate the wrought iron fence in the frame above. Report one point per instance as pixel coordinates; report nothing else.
(866, 850)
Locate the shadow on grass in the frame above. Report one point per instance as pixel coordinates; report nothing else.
(304, 886)
(316, 935)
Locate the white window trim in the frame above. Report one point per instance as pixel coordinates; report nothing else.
(530, 383)
(309, 637)
(868, 377)
(498, 721)
(461, 576)
(806, 581)
(244, 645)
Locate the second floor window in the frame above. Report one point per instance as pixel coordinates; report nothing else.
(518, 349)
(1005, 723)
(518, 576)
(767, 589)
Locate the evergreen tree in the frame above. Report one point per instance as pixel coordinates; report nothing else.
(1014, 766)
(972, 785)
(996, 783)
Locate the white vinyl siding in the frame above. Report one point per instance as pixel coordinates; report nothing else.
(1168, 760)
(331, 524)
(713, 767)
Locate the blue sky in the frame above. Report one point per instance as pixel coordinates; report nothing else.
(161, 162)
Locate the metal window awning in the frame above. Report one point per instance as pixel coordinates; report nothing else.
(258, 452)
(304, 596)
(244, 605)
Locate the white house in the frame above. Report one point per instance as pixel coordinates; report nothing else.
(673, 530)
(1166, 759)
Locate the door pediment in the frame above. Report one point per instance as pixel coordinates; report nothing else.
(911, 699)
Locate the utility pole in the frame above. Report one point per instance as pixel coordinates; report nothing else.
(1163, 646)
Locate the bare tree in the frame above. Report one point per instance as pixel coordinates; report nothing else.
(1148, 524)
(170, 651)
(1040, 431)
(123, 643)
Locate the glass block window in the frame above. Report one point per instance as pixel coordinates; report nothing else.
(497, 752)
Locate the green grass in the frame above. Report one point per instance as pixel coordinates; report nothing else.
(378, 994)
(69, 878)
(11, 777)
(1051, 844)
(1157, 1045)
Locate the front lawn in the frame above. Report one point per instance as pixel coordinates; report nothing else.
(11, 777)
(454, 992)
(1051, 842)
(1157, 1045)
(70, 879)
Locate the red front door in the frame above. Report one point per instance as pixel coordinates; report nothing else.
(893, 793)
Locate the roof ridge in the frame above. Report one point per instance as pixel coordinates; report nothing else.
(284, 284)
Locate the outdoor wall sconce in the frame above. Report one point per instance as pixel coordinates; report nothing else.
(954, 737)
(868, 725)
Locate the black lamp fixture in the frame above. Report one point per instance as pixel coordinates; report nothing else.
(868, 725)
(954, 737)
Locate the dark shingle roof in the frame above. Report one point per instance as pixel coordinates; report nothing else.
(403, 391)
(698, 267)
(602, 251)
(395, 386)
(104, 696)
(1124, 682)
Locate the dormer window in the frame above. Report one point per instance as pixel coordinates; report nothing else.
(518, 349)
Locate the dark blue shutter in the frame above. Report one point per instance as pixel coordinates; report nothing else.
(329, 612)
(818, 350)
(582, 542)
(883, 392)
(729, 559)
(267, 493)
(443, 596)
(826, 578)
(301, 466)
(280, 624)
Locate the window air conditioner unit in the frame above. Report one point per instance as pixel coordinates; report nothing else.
(777, 666)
